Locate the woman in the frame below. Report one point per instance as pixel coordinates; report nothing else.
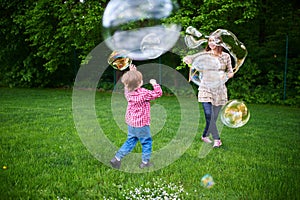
(213, 97)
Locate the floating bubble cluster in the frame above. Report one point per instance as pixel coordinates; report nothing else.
(207, 181)
(141, 27)
(235, 114)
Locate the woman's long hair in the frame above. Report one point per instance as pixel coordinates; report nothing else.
(219, 48)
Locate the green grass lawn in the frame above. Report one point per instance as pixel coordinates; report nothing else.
(46, 159)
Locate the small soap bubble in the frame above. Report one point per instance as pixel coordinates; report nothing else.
(119, 60)
(150, 46)
(207, 181)
(235, 114)
(140, 27)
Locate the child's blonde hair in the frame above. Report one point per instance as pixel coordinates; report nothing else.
(132, 79)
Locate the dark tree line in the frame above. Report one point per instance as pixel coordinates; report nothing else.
(44, 41)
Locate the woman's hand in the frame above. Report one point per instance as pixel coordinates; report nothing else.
(227, 76)
(230, 75)
(188, 60)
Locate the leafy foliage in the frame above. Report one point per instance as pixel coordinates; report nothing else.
(43, 42)
(54, 37)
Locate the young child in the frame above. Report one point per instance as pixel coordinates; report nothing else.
(137, 116)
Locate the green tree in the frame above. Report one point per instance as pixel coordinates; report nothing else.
(55, 36)
(44, 41)
(14, 49)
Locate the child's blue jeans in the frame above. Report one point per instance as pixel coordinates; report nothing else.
(136, 134)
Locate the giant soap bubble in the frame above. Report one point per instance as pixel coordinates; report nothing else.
(205, 62)
(203, 69)
(141, 27)
(231, 44)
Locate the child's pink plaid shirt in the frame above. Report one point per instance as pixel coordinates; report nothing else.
(138, 108)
